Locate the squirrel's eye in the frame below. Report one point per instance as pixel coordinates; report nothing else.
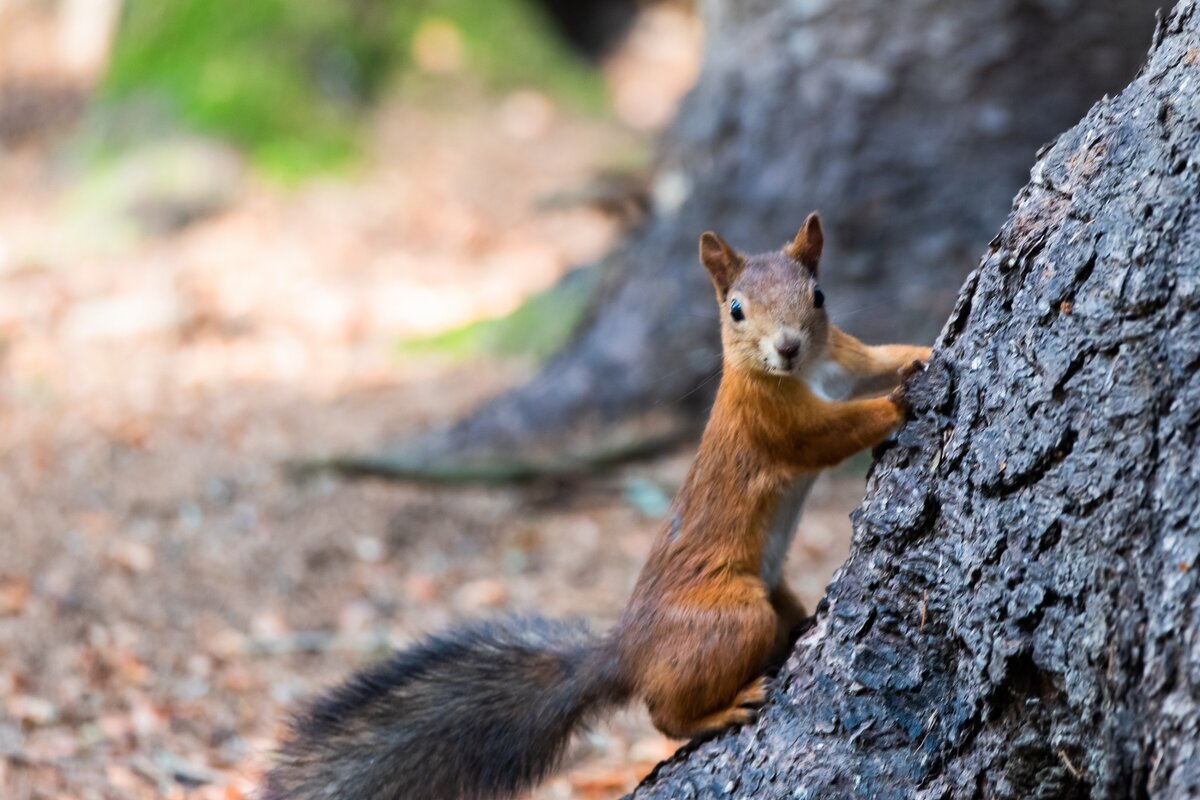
(818, 298)
(735, 311)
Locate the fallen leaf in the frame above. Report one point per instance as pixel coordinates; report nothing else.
(32, 710)
(14, 593)
(484, 593)
(133, 556)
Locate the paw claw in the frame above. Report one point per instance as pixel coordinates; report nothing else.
(749, 716)
(912, 368)
(754, 695)
(899, 395)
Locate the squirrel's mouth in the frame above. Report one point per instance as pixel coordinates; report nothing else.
(780, 368)
(778, 363)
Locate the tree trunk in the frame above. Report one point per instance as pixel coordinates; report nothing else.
(910, 124)
(1020, 614)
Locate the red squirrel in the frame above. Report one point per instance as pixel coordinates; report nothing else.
(487, 710)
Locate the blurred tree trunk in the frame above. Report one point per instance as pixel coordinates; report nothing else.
(1020, 614)
(590, 26)
(909, 124)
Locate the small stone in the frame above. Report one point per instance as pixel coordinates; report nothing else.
(369, 549)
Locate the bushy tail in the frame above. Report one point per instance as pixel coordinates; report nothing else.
(482, 712)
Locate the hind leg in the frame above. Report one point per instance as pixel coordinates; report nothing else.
(790, 613)
(716, 682)
(680, 723)
(743, 711)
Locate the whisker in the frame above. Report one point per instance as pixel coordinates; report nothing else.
(842, 313)
(698, 386)
(672, 373)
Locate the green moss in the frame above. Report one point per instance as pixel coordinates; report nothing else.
(289, 81)
(536, 329)
(247, 71)
(509, 44)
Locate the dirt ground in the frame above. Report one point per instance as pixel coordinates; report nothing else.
(166, 591)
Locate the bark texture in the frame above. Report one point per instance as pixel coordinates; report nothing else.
(1020, 614)
(910, 124)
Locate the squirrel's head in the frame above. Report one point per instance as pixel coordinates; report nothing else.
(773, 316)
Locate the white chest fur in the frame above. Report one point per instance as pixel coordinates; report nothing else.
(828, 381)
(783, 529)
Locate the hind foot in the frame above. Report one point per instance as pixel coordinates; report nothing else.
(742, 711)
(753, 695)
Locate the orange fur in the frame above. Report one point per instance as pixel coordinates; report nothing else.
(702, 625)
(487, 710)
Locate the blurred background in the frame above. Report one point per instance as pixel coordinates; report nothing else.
(236, 236)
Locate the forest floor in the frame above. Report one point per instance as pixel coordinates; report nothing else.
(167, 592)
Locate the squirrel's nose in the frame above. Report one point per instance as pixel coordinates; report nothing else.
(788, 347)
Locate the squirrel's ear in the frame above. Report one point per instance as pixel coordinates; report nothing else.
(722, 263)
(805, 249)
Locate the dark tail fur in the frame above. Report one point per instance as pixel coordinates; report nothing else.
(482, 712)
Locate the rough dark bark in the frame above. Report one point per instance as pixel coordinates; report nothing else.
(1020, 614)
(910, 124)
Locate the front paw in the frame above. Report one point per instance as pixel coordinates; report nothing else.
(915, 367)
(899, 395)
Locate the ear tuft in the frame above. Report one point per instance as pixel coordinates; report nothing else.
(722, 263)
(806, 248)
